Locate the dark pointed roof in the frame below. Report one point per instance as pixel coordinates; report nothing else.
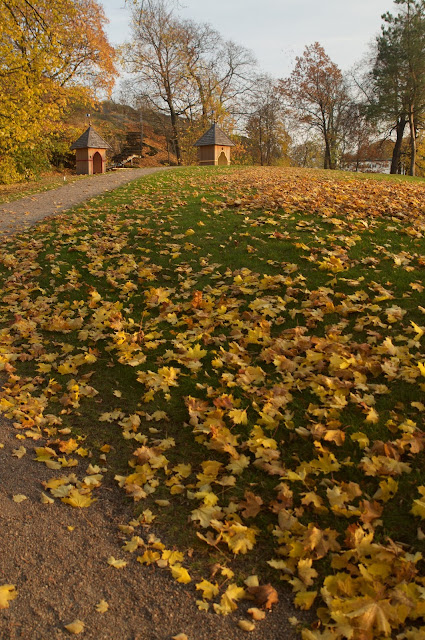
(92, 139)
(216, 136)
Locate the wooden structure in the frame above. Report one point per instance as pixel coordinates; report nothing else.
(214, 147)
(91, 152)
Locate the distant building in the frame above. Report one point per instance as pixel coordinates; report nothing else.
(369, 166)
(91, 152)
(214, 147)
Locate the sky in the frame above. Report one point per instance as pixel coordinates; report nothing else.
(278, 30)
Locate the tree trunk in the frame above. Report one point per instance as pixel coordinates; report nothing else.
(327, 164)
(260, 132)
(176, 141)
(395, 162)
(412, 127)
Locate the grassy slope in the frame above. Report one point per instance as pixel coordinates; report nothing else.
(304, 328)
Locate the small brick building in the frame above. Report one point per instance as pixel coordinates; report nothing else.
(91, 152)
(214, 147)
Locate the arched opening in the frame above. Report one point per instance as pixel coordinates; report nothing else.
(97, 163)
(222, 159)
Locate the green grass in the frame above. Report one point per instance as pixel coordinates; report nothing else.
(271, 294)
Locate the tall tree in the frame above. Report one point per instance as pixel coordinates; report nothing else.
(398, 75)
(46, 50)
(222, 71)
(155, 57)
(318, 95)
(185, 69)
(265, 128)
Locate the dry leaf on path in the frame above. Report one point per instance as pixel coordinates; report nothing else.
(102, 606)
(257, 614)
(75, 627)
(7, 593)
(19, 453)
(265, 595)
(118, 564)
(246, 625)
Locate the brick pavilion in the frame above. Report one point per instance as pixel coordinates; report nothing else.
(214, 147)
(91, 152)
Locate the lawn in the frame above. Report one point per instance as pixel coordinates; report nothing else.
(242, 352)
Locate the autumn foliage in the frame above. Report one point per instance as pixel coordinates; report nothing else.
(52, 53)
(255, 340)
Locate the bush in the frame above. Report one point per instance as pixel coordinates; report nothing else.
(8, 171)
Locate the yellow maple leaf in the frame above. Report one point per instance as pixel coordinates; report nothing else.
(78, 500)
(372, 416)
(306, 572)
(238, 416)
(304, 599)
(228, 601)
(19, 453)
(149, 557)
(102, 606)
(19, 497)
(180, 574)
(118, 564)
(239, 538)
(373, 615)
(361, 438)
(246, 625)
(209, 589)
(75, 627)
(417, 329)
(257, 614)
(7, 593)
(46, 499)
(418, 508)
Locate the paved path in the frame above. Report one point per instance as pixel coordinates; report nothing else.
(21, 214)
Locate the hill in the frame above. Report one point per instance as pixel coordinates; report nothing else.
(135, 140)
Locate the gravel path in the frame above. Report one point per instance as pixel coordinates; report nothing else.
(56, 556)
(21, 214)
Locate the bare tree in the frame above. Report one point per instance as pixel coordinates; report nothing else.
(265, 127)
(155, 57)
(186, 69)
(317, 92)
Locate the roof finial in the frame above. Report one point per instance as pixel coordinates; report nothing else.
(89, 117)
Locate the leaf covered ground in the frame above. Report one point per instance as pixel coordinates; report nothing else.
(243, 350)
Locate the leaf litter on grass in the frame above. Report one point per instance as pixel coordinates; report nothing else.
(250, 342)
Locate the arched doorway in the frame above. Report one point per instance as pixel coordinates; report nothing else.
(97, 163)
(222, 160)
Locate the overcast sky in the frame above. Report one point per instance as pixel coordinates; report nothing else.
(278, 30)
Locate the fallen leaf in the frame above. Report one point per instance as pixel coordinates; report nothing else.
(257, 614)
(7, 593)
(20, 452)
(102, 606)
(75, 627)
(265, 595)
(118, 564)
(78, 500)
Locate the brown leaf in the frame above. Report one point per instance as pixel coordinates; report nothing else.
(251, 505)
(265, 595)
